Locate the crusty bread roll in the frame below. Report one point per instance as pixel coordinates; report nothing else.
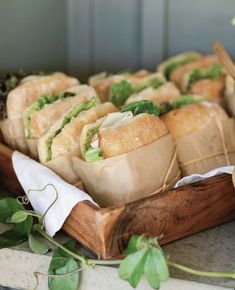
(41, 119)
(69, 135)
(185, 57)
(192, 117)
(164, 93)
(177, 76)
(212, 89)
(29, 91)
(143, 129)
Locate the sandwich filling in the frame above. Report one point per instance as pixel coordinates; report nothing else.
(68, 117)
(179, 102)
(172, 65)
(39, 105)
(122, 90)
(198, 74)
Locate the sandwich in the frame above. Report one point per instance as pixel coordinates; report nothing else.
(120, 133)
(171, 64)
(7, 83)
(202, 133)
(20, 95)
(166, 92)
(182, 118)
(48, 108)
(126, 155)
(123, 88)
(209, 82)
(63, 136)
(33, 87)
(204, 76)
(102, 82)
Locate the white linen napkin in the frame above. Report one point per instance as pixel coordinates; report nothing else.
(197, 177)
(33, 175)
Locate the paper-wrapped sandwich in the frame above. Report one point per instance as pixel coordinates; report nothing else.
(102, 82)
(202, 76)
(25, 93)
(126, 156)
(203, 134)
(153, 87)
(61, 139)
(48, 108)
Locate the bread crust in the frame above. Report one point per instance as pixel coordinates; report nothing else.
(69, 137)
(141, 130)
(43, 118)
(213, 90)
(28, 92)
(178, 74)
(164, 93)
(177, 57)
(190, 118)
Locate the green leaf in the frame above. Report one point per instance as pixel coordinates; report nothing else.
(198, 74)
(132, 246)
(60, 263)
(19, 217)
(69, 282)
(120, 92)
(8, 206)
(132, 267)
(37, 246)
(144, 256)
(179, 102)
(143, 106)
(176, 63)
(93, 154)
(17, 235)
(156, 269)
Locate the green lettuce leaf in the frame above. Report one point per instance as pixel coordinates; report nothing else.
(176, 63)
(93, 154)
(121, 91)
(143, 106)
(179, 102)
(71, 114)
(198, 74)
(39, 105)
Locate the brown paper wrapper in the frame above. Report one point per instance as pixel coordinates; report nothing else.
(13, 134)
(211, 147)
(63, 167)
(33, 147)
(130, 176)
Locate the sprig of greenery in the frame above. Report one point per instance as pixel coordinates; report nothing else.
(142, 257)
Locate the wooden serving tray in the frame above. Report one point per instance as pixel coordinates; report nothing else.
(174, 213)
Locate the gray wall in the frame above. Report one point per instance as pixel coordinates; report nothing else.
(87, 36)
(33, 34)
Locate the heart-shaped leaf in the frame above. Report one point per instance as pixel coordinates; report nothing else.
(37, 246)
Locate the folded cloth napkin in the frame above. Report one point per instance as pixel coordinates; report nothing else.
(197, 177)
(35, 177)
